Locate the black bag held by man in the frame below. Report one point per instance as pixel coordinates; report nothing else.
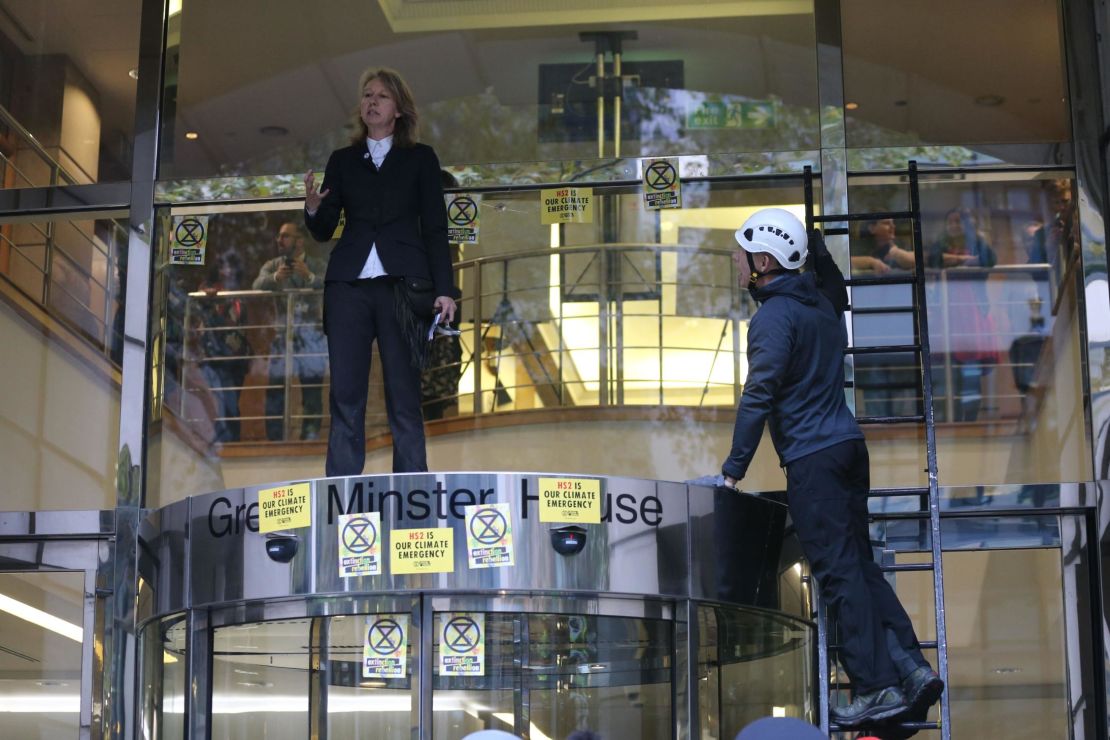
(414, 302)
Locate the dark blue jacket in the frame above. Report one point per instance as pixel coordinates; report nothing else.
(795, 381)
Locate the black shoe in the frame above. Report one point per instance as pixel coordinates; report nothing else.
(872, 707)
(922, 688)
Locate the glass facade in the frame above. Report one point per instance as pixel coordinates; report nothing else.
(144, 222)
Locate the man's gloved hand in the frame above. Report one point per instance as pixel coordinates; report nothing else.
(817, 243)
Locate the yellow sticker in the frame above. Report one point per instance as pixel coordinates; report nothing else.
(422, 550)
(567, 205)
(576, 500)
(285, 507)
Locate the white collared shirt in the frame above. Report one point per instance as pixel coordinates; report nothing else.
(378, 149)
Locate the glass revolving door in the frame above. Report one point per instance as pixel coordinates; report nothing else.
(440, 667)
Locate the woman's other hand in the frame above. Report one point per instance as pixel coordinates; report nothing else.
(312, 197)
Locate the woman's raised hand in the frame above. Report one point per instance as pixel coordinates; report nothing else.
(312, 197)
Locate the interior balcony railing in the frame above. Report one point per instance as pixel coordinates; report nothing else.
(620, 326)
(70, 270)
(30, 164)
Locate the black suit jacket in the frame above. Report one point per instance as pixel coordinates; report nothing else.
(399, 207)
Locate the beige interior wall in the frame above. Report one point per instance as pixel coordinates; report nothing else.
(59, 425)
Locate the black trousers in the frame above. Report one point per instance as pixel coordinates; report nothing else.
(357, 314)
(827, 495)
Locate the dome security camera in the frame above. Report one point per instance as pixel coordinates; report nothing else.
(568, 540)
(281, 548)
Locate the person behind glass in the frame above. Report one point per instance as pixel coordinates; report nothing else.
(970, 328)
(388, 185)
(224, 345)
(293, 269)
(876, 250)
(795, 383)
(1053, 236)
(888, 388)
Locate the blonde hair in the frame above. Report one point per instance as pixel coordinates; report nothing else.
(405, 128)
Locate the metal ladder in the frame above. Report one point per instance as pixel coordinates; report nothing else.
(919, 348)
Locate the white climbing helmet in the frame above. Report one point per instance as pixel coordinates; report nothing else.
(777, 232)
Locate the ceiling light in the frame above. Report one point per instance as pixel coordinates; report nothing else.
(192, 135)
(133, 73)
(1006, 671)
(851, 106)
(39, 617)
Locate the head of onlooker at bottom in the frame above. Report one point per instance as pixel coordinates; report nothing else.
(780, 728)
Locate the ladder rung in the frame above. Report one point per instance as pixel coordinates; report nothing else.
(918, 725)
(884, 515)
(877, 216)
(891, 492)
(870, 310)
(914, 419)
(883, 349)
(836, 231)
(927, 644)
(898, 567)
(891, 280)
(902, 725)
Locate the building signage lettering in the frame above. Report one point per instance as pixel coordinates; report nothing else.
(226, 518)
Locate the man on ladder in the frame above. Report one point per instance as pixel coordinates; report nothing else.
(796, 344)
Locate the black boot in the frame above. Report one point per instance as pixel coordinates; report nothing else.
(870, 707)
(922, 688)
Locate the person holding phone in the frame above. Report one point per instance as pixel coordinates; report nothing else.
(294, 270)
(389, 187)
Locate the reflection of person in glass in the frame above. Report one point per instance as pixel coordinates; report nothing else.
(224, 344)
(1055, 234)
(796, 344)
(389, 187)
(886, 383)
(970, 328)
(877, 251)
(294, 269)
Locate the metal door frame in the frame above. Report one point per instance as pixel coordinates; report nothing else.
(71, 542)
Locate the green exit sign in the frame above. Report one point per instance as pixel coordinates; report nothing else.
(709, 114)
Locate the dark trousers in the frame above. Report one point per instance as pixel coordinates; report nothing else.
(356, 315)
(827, 494)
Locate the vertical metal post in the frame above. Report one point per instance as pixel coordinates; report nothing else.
(603, 329)
(693, 645)
(931, 456)
(617, 100)
(198, 675)
(423, 609)
(522, 694)
(477, 362)
(600, 103)
(318, 677)
(287, 376)
(131, 480)
(823, 661)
